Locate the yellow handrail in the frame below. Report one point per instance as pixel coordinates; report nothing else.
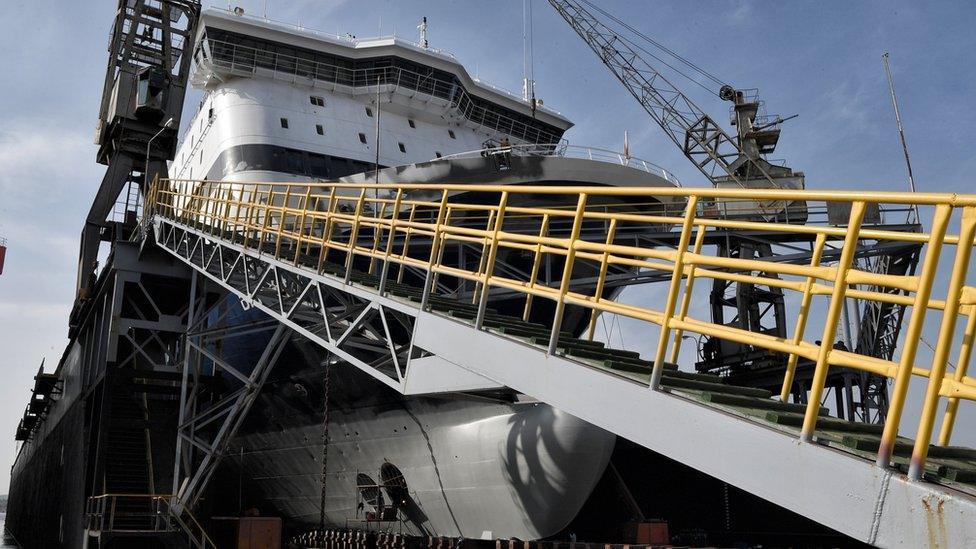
(583, 226)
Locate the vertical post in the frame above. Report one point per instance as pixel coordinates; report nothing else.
(946, 333)
(301, 226)
(434, 245)
(679, 265)
(225, 222)
(490, 264)
(248, 219)
(385, 273)
(912, 336)
(327, 229)
(601, 279)
(557, 319)
(965, 353)
(264, 224)
(801, 320)
(281, 221)
(543, 231)
(686, 297)
(406, 242)
(483, 258)
(354, 234)
(440, 251)
(837, 298)
(377, 237)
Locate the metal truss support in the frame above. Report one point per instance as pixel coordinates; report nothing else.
(209, 421)
(373, 333)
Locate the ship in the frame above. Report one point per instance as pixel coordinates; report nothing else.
(284, 104)
(181, 395)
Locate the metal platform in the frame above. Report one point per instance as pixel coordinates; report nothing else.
(322, 260)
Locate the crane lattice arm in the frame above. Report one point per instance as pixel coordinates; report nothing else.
(718, 155)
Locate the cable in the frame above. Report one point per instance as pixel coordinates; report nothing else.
(633, 44)
(657, 44)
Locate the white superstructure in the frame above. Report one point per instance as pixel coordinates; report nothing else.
(305, 106)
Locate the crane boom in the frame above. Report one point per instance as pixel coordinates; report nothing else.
(723, 159)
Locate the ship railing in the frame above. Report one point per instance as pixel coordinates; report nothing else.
(330, 36)
(571, 151)
(371, 226)
(248, 61)
(131, 513)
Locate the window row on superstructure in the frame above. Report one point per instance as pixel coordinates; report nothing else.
(238, 52)
(273, 158)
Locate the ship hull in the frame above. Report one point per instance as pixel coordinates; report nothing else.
(480, 466)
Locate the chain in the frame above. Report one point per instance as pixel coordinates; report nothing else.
(325, 442)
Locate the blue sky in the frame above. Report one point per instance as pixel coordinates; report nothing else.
(821, 60)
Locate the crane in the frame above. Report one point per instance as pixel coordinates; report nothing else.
(725, 160)
(142, 99)
(739, 160)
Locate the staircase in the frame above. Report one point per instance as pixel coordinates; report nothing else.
(274, 251)
(127, 461)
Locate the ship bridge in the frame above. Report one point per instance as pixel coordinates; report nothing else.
(369, 273)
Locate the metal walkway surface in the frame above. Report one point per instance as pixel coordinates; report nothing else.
(374, 274)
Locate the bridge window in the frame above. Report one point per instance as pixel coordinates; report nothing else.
(317, 165)
(319, 130)
(362, 138)
(369, 112)
(451, 133)
(437, 154)
(403, 148)
(284, 123)
(411, 122)
(316, 100)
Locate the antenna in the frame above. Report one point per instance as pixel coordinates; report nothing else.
(528, 78)
(376, 164)
(423, 32)
(901, 131)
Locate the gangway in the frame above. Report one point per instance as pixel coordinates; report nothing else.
(330, 262)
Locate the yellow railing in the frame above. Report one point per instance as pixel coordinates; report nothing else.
(387, 228)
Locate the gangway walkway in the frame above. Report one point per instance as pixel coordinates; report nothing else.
(369, 272)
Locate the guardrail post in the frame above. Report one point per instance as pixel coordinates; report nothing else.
(601, 279)
(537, 261)
(440, 251)
(385, 272)
(837, 297)
(434, 245)
(946, 333)
(676, 275)
(557, 320)
(483, 258)
(327, 230)
(906, 363)
(686, 297)
(406, 241)
(490, 262)
(965, 353)
(281, 221)
(354, 235)
(801, 321)
(377, 234)
(301, 226)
